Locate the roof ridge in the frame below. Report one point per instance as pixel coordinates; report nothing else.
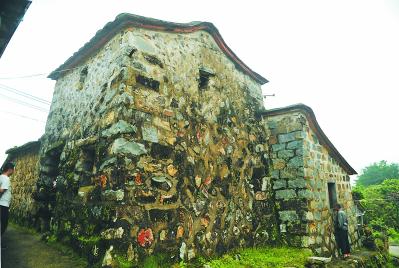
(125, 20)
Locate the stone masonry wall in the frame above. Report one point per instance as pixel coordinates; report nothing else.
(320, 169)
(289, 185)
(23, 183)
(155, 148)
(302, 169)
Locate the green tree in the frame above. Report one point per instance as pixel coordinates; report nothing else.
(381, 203)
(376, 173)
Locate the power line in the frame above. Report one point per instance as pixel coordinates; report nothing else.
(22, 116)
(22, 76)
(23, 94)
(25, 103)
(39, 74)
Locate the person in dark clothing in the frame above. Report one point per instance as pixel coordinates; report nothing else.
(341, 231)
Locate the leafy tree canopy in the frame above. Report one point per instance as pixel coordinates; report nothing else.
(381, 203)
(376, 173)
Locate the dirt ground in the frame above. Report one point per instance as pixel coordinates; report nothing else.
(26, 250)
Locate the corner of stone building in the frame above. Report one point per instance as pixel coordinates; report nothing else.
(289, 187)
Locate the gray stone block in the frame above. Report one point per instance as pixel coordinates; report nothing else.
(285, 154)
(277, 147)
(296, 162)
(295, 145)
(279, 184)
(275, 174)
(288, 173)
(287, 137)
(305, 194)
(297, 183)
(288, 215)
(149, 133)
(121, 127)
(123, 146)
(285, 194)
(272, 124)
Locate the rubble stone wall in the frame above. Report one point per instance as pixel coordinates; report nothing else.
(155, 148)
(301, 171)
(23, 183)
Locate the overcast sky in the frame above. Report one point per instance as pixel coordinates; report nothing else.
(341, 58)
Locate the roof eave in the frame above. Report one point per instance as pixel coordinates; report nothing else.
(126, 20)
(314, 125)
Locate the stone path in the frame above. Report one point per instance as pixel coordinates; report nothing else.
(26, 250)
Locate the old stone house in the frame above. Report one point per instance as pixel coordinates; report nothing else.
(26, 160)
(158, 141)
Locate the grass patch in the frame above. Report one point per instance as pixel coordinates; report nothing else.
(262, 257)
(23, 228)
(66, 251)
(52, 242)
(157, 261)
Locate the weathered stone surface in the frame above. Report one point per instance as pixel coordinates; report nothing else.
(111, 195)
(307, 173)
(297, 183)
(23, 183)
(278, 147)
(285, 194)
(112, 233)
(295, 144)
(295, 162)
(279, 164)
(305, 194)
(289, 137)
(123, 146)
(150, 133)
(288, 216)
(285, 154)
(279, 184)
(121, 127)
(182, 164)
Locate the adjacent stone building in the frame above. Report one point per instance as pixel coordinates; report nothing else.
(23, 182)
(158, 141)
(309, 177)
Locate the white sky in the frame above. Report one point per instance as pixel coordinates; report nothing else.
(341, 58)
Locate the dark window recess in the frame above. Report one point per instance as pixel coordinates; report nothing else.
(204, 76)
(49, 164)
(132, 52)
(257, 175)
(160, 151)
(174, 104)
(332, 194)
(157, 215)
(146, 199)
(85, 165)
(83, 75)
(148, 82)
(171, 200)
(153, 60)
(160, 185)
